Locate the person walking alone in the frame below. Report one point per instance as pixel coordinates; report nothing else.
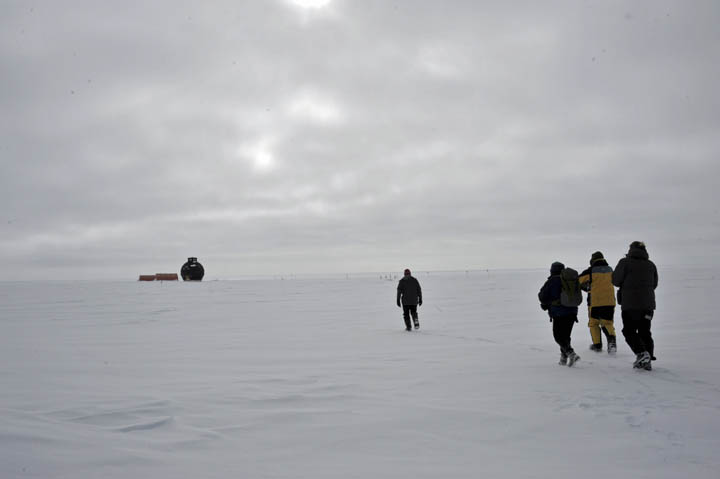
(409, 297)
(637, 278)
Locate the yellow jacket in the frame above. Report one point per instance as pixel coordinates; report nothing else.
(597, 281)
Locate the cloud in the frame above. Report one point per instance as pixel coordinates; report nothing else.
(352, 135)
(311, 106)
(260, 155)
(310, 4)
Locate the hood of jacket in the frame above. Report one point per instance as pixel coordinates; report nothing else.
(638, 253)
(556, 268)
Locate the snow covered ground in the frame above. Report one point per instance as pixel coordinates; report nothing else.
(317, 378)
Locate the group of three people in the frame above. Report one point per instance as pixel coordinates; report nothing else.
(636, 278)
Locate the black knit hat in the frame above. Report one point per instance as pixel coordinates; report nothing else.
(407, 272)
(597, 255)
(637, 244)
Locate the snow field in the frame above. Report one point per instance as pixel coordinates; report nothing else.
(317, 378)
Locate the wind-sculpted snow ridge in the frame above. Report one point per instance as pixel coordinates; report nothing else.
(318, 378)
(141, 417)
(152, 424)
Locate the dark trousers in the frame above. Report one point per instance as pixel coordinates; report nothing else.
(636, 329)
(562, 329)
(409, 309)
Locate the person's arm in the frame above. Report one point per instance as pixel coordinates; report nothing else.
(656, 276)
(399, 294)
(419, 293)
(543, 296)
(584, 280)
(618, 275)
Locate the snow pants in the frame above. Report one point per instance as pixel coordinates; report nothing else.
(636, 329)
(601, 325)
(408, 310)
(562, 329)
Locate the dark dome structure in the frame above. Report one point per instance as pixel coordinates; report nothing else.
(192, 270)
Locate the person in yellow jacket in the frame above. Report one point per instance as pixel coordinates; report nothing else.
(597, 281)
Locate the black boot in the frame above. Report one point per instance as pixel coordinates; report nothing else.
(572, 358)
(563, 359)
(612, 345)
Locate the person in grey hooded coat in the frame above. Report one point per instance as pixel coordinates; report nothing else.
(637, 278)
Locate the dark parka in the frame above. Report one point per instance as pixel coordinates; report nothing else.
(549, 294)
(637, 278)
(409, 291)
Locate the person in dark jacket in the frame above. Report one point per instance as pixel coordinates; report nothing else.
(409, 297)
(637, 278)
(562, 317)
(597, 281)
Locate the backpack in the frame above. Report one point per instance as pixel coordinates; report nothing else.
(570, 294)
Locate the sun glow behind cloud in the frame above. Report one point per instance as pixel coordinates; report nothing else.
(260, 155)
(310, 4)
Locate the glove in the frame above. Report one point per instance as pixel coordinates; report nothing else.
(398, 303)
(420, 302)
(544, 307)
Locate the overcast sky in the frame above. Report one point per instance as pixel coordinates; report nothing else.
(276, 137)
